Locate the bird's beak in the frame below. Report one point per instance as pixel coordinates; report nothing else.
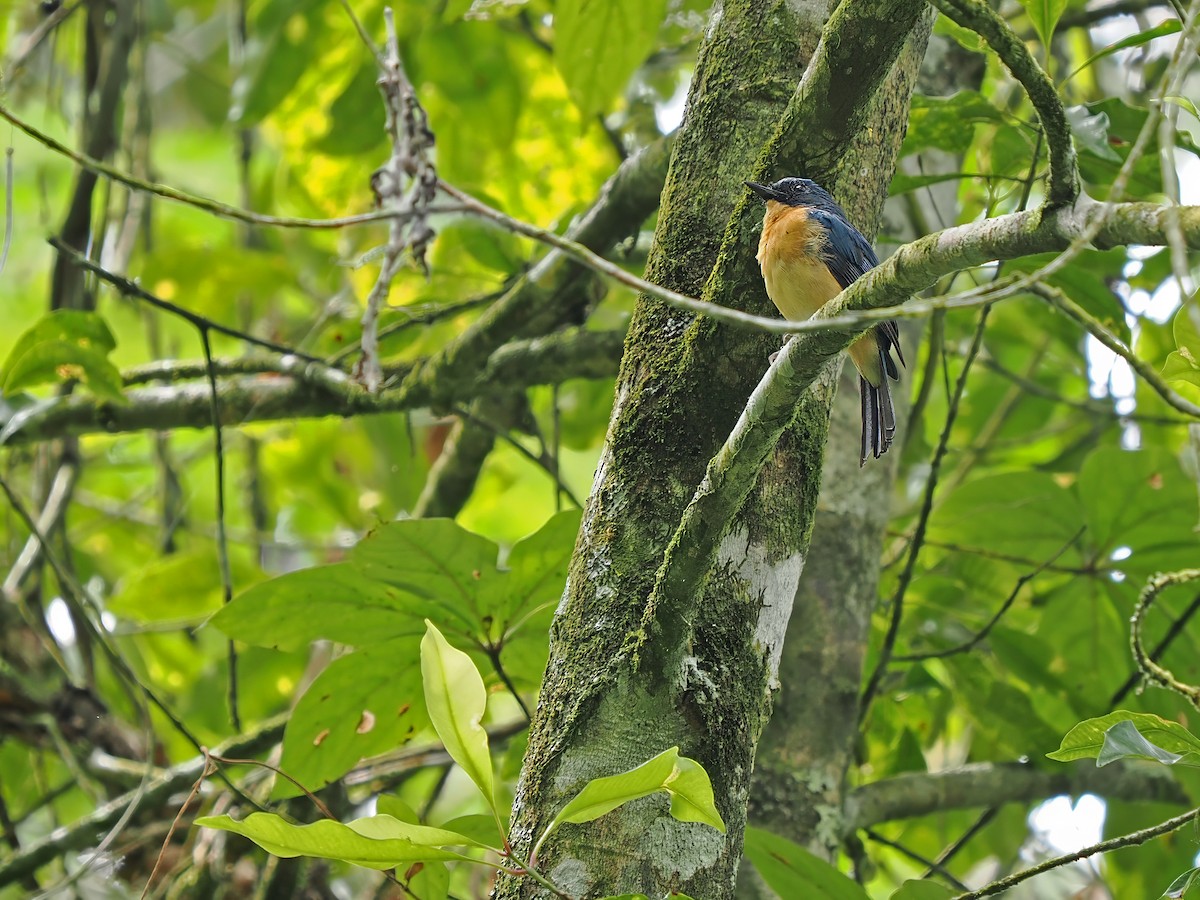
(765, 191)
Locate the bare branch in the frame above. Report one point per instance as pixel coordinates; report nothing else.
(83, 833)
(294, 389)
(988, 784)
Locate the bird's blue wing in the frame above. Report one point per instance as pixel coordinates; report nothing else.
(847, 253)
(849, 256)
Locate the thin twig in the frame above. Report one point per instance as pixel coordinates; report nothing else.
(1160, 648)
(222, 539)
(982, 634)
(205, 204)
(131, 289)
(932, 866)
(541, 462)
(1127, 840)
(1148, 373)
(1151, 669)
(406, 184)
(906, 575)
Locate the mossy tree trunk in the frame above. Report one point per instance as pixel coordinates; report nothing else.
(605, 706)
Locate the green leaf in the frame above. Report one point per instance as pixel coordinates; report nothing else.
(965, 37)
(1171, 26)
(365, 842)
(1135, 500)
(1181, 885)
(791, 871)
(340, 603)
(692, 795)
(456, 699)
(1090, 131)
(598, 44)
(362, 704)
(684, 779)
(66, 344)
(1183, 103)
(177, 588)
(943, 122)
(1044, 14)
(1086, 740)
(84, 329)
(1124, 741)
(430, 882)
(391, 805)
(922, 890)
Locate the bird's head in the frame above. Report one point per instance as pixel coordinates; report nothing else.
(795, 192)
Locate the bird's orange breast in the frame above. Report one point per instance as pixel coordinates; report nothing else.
(789, 251)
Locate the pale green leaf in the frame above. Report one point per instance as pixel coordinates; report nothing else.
(456, 700)
(603, 795)
(353, 842)
(1171, 26)
(1086, 740)
(692, 794)
(1181, 885)
(1124, 741)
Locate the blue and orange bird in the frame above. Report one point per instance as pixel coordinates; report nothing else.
(810, 253)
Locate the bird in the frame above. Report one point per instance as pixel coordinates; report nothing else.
(809, 253)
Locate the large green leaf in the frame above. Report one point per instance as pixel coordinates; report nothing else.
(791, 871)
(1026, 514)
(599, 43)
(946, 122)
(362, 704)
(456, 699)
(1087, 739)
(1135, 501)
(406, 571)
(339, 603)
(175, 588)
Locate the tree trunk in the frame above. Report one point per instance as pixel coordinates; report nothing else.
(605, 705)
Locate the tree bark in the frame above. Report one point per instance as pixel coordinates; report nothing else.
(608, 703)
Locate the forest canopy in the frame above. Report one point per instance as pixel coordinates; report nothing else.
(402, 499)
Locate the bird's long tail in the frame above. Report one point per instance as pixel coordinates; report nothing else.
(878, 418)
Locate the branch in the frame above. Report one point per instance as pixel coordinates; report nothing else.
(1126, 840)
(982, 19)
(83, 833)
(555, 291)
(405, 184)
(987, 784)
(733, 471)
(295, 389)
(205, 204)
(1060, 301)
(1151, 669)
